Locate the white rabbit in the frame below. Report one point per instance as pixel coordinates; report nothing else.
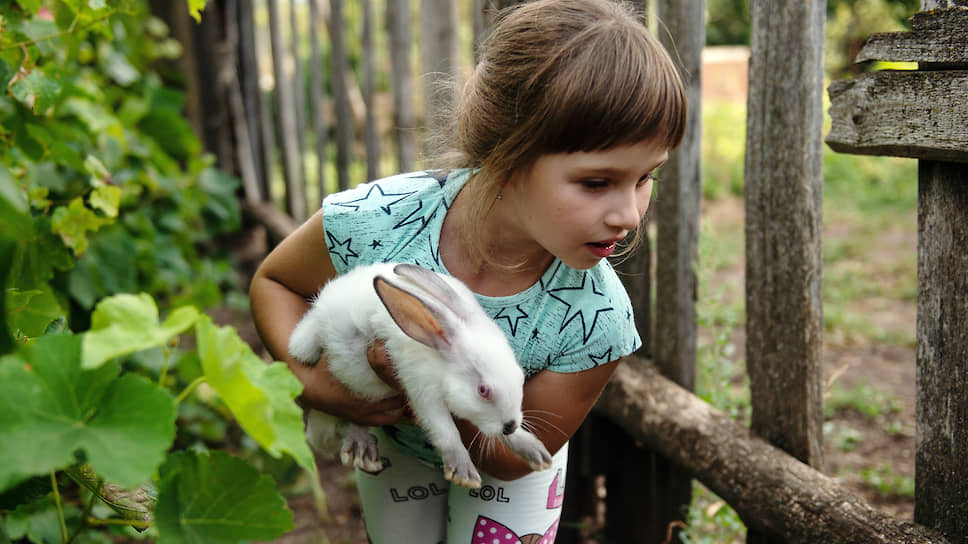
(448, 355)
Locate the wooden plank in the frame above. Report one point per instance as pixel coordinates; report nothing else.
(318, 103)
(401, 81)
(341, 74)
(941, 457)
(440, 58)
(371, 136)
(918, 114)
(784, 203)
(773, 492)
(668, 489)
(936, 36)
(286, 115)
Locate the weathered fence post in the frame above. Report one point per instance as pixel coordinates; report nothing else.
(285, 112)
(784, 203)
(404, 118)
(440, 60)
(316, 94)
(921, 114)
(341, 95)
(667, 487)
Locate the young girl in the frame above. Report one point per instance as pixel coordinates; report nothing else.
(571, 109)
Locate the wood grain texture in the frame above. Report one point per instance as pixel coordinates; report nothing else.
(917, 114)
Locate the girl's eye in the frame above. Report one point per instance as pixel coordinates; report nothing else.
(594, 184)
(646, 179)
(484, 391)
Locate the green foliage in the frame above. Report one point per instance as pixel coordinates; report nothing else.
(104, 192)
(215, 498)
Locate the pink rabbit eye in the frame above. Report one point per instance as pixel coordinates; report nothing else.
(484, 391)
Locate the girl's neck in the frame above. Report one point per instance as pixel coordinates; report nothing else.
(482, 275)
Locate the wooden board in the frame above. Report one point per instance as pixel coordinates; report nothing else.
(917, 114)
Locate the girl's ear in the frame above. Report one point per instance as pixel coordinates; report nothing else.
(414, 317)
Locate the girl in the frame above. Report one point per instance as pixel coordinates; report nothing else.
(560, 128)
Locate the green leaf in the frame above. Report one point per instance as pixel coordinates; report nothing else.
(195, 8)
(108, 267)
(106, 198)
(7, 342)
(50, 408)
(74, 221)
(14, 219)
(124, 324)
(215, 498)
(37, 91)
(32, 311)
(30, 6)
(260, 396)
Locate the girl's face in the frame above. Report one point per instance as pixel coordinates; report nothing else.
(577, 206)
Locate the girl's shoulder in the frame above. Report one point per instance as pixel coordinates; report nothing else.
(373, 221)
(386, 193)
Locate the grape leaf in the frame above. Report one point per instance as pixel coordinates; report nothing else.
(37, 91)
(72, 223)
(214, 498)
(260, 396)
(51, 408)
(106, 198)
(32, 311)
(7, 343)
(124, 324)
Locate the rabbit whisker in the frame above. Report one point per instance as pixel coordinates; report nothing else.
(539, 423)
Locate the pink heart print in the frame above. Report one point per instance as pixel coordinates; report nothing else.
(488, 531)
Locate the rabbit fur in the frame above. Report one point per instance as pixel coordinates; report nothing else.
(448, 355)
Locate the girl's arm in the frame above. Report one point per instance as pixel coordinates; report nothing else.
(280, 291)
(555, 404)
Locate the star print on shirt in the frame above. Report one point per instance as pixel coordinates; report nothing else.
(605, 357)
(376, 244)
(569, 296)
(389, 198)
(519, 314)
(341, 249)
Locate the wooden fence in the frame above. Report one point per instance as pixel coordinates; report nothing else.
(320, 113)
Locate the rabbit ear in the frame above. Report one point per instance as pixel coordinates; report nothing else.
(415, 317)
(431, 282)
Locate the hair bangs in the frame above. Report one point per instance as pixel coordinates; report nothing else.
(611, 90)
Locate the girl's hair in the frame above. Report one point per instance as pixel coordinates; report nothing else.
(559, 76)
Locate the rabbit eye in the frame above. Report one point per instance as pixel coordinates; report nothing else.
(484, 391)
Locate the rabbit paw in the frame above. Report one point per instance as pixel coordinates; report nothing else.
(528, 447)
(359, 450)
(459, 469)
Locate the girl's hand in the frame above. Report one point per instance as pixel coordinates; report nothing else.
(379, 359)
(380, 362)
(323, 392)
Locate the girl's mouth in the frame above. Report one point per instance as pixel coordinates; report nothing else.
(601, 249)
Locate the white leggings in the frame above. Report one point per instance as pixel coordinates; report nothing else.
(409, 501)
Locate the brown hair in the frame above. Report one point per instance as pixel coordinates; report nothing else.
(559, 76)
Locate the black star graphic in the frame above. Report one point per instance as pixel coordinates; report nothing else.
(375, 244)
(341, 249)
(564, 294)
(512, 320)
(383, 196)
(605, 357)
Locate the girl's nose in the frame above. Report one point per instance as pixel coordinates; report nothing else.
(625, 213)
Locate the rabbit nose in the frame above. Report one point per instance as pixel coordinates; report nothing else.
(510, 427)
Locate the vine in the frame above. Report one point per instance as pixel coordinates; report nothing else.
(104, 193)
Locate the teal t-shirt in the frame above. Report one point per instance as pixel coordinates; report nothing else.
(570, 320)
